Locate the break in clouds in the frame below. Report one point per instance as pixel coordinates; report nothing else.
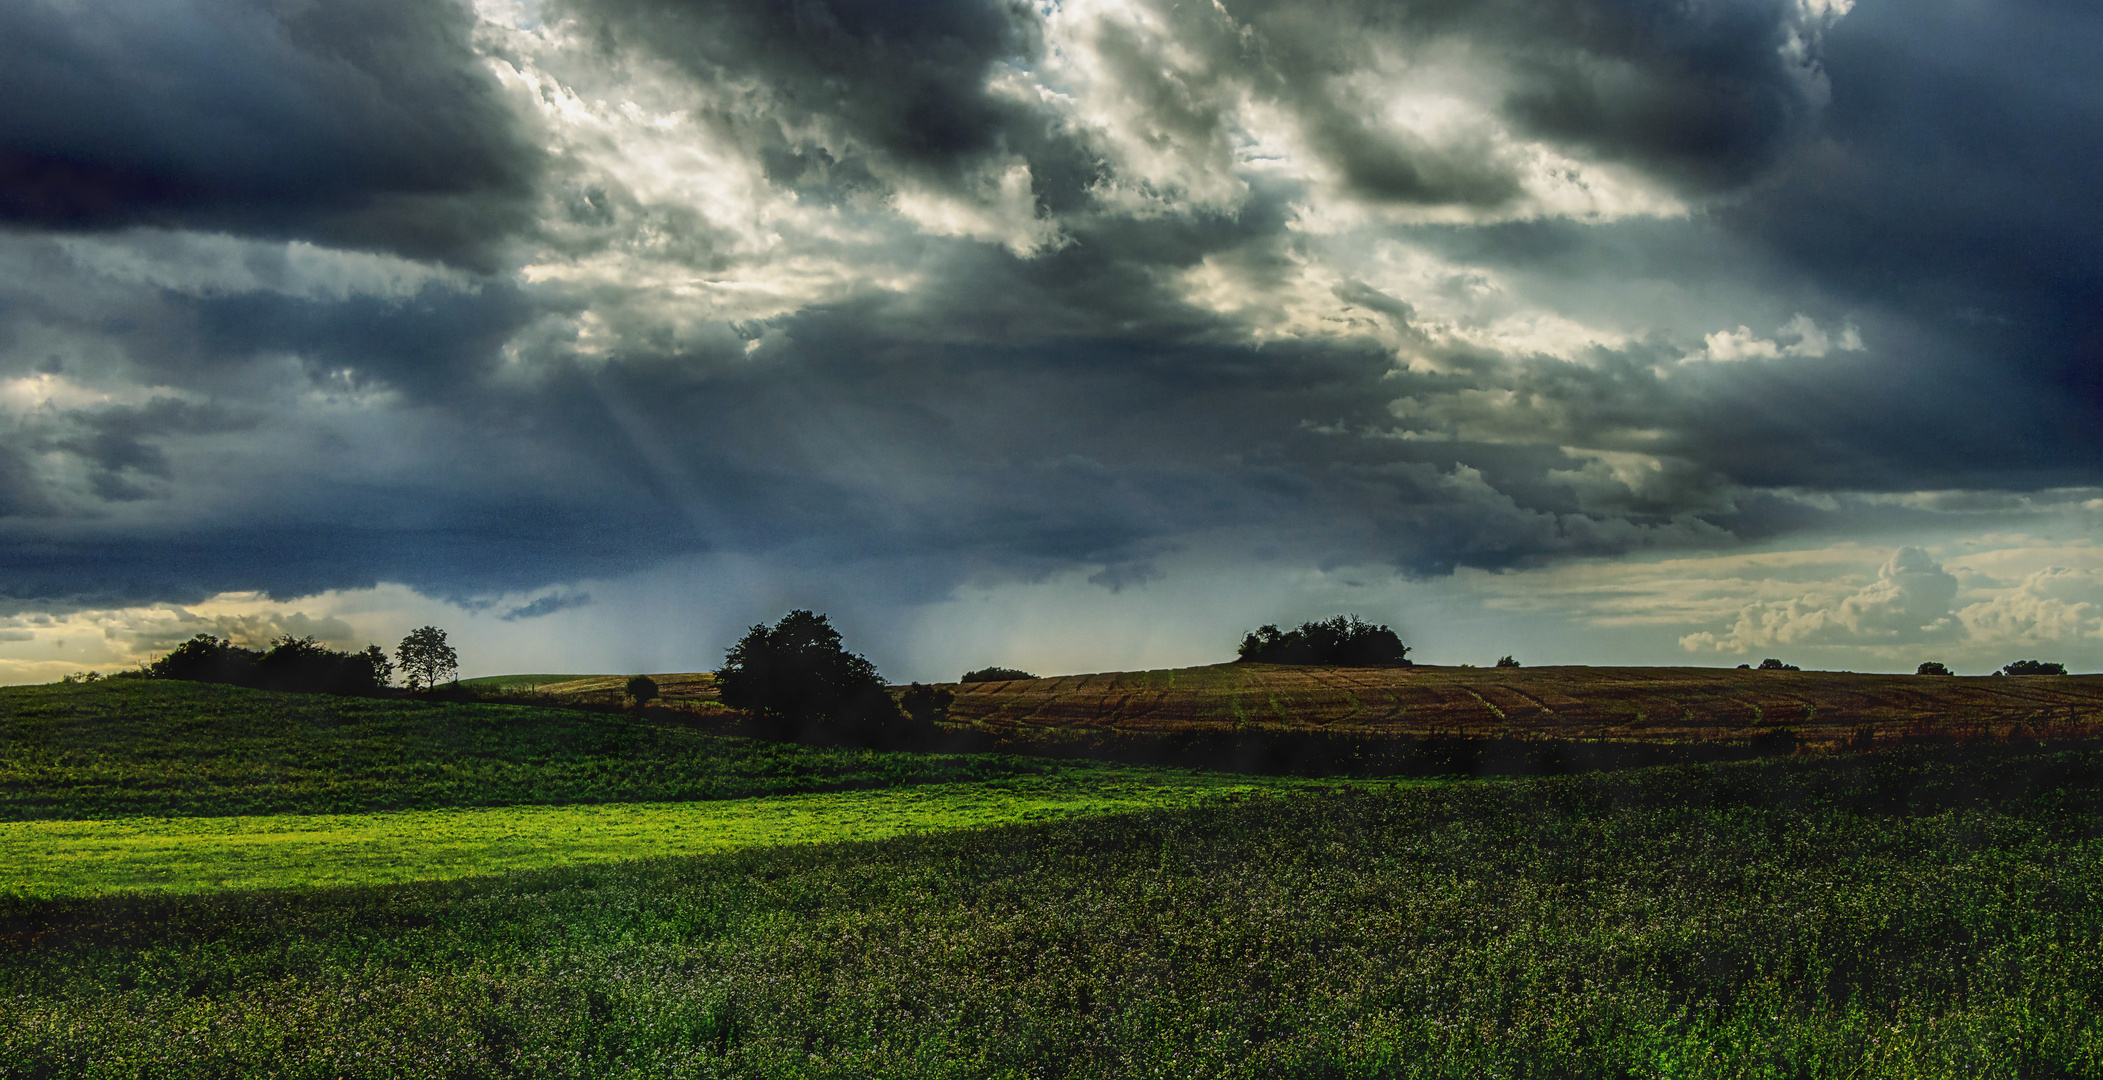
(911, 298)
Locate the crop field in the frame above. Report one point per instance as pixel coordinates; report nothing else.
(1667, 705)
(1626, 705)
(1928, 912)
(277, 851)
(133, 748)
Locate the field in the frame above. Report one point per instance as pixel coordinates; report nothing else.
(280, 851)
(1656, 705)
(214, 882)
(130, 748)
(1665, 706)
(1922, 913)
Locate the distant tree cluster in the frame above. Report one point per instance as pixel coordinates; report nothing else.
(1932, 667)
(995, 674)
(297, 664)
(798, 682)
(2033, 667)
(1344, 641)
(1507, 661)
(1772, 664)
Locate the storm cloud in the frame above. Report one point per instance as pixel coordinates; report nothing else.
(498, 300)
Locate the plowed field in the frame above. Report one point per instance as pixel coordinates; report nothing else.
(1632, 704)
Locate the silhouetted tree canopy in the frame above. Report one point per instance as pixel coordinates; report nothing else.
(926, 704)
(2034, 667)
(642, 689)
(296, 664)
(798, 682)
(995, 674)
(1932, 667)
(425, 659)
(1772, 664)
(1507, 661)
(1344, 640)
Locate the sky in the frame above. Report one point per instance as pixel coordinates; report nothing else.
(1069, 336)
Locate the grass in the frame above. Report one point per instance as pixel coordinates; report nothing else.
(151, 748)
(1917, 914)
(50, 859)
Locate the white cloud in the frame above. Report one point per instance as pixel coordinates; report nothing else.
(2055, 604)
(1908, 603)
(1800, 336)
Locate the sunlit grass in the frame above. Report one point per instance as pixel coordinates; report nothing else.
(201, 854)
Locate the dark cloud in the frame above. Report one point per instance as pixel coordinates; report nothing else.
(546, 605)
(981, 413)
(367, 123)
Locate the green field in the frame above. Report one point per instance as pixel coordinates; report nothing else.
(1912, 915)
(140, 748)
(803, 912)
(201, 854)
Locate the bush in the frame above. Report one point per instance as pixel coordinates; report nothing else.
(1344, 641)
(798, 682)
(2034, 667)
(642, 689)
(995, 674)
(1932, 667)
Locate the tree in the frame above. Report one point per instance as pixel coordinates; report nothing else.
(1932, 667)
(1772, 664)
(2034, 667)
(926, 704)
(798, 682)
(1506, 661)
(425, 659)
(642, 689)
(995, 674)
(1344, 641)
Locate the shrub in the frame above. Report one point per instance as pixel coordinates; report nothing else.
(1344, 641)
(642, 689)
(798, 682)
(1932, 667)
(2034, 667)
(995, 674)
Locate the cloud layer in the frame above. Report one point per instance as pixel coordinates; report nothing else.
(494, 300)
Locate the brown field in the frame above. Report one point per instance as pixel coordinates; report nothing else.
(1657, 705)
(1626, 705)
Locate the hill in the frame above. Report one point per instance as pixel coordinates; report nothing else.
(1629, 705)
(129, 747)
(1653, 705)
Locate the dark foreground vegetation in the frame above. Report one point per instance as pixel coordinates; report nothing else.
(1927, 912)
(125, 747)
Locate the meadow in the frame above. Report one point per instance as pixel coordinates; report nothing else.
(1920, 913)
(135, 748)
(279, 851)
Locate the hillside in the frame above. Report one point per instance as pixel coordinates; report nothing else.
(122, 748)
(1623, 704)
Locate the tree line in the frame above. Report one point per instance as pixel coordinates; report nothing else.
(305, 665)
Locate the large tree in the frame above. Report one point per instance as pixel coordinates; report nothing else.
(425, 659)
(799, 682)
